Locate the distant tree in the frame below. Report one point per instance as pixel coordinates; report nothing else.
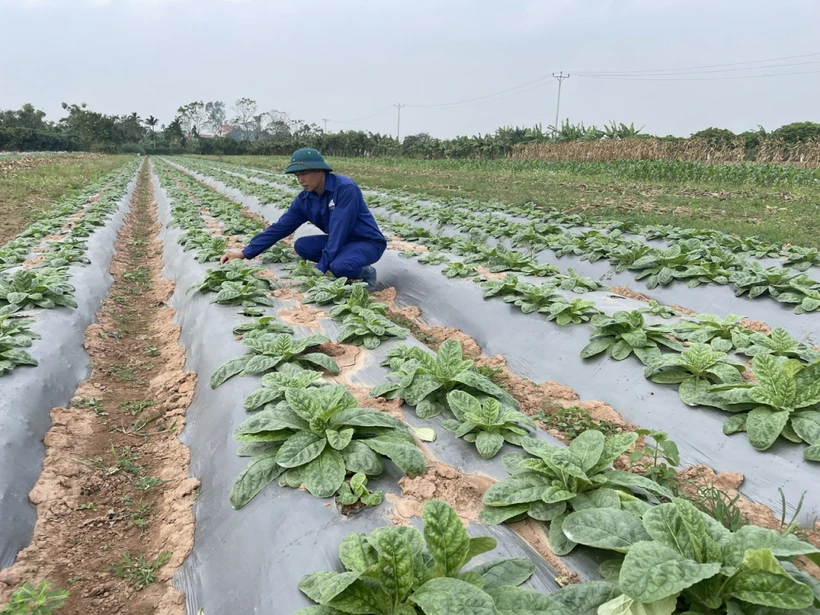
(173, 133)
(192, 116)
(131, 127)
(798, 132)
(715, 136)
(25, 117)
(245, 109)
(152, 122)
(216, 116)
(96, 132)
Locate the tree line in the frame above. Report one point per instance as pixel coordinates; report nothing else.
(244, 128)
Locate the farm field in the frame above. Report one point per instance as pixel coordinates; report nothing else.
(692, 195)
(541, 407)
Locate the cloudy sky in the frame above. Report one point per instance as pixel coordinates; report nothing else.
(352, 59)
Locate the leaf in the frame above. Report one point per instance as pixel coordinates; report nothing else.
(652, 572)
(596, 346)
(585, 598)
(519, 601)
(764, 426)
(360, 458)
(762, 580)
(339, 439)
(229, 369)
(299, 449)
(751, 537)
(321, 360)
(322, 587)
(253, 478)
(627, 479)
(445, 596)
(506, 571)
(614, 447)
(734, 424)
(323, 475)
(365, 417)
(560, 543)
(587, 449)
(517, 489)
(395, 564)
(405, 455)
(492, 515)
(624, 605)
(446, 538)
(488, 444)
(605, 528)
(479, 545)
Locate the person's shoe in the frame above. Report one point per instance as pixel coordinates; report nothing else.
(369, 276)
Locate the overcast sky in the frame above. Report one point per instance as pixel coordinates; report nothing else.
(346, 59)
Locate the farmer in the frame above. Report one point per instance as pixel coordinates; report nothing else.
(333, 203)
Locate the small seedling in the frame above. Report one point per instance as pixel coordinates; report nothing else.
(573, 421)
(87, 506)
(663, 456)
(151, 351)
(30, 600)
(139, 571)
(720, 506)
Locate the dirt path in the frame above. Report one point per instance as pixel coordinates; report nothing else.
(114, 501)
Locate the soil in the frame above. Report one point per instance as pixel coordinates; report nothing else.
(115, 477)
(534, 534)
(405, 246)
(756, 325)
(349, 357)
(486, 274)
(302, 315)
(440, 481)
(393, 407)
(629, 293)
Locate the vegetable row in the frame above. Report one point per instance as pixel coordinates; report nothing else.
(34, 265)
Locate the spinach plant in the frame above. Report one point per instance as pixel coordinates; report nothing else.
(783, 402)
(269, 351)
(275, 384)
(559, 480)
(402, 571)
(625, 333)
(778, 343)
(355, 491)
(576, 311)
(677, 555)
(27, 289)
(318, 436)
(358, 298)
(328, 291)
(261, 326)
(364, 327)
(485, 422)
(426, 379)
(698, 363)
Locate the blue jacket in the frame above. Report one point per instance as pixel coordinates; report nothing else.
(340, 212)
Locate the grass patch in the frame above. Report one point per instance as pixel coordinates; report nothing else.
(573, 421)
(28, 195)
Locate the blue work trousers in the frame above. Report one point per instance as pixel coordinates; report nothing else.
(349, 260)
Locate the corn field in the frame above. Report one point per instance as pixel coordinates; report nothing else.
(770, 151)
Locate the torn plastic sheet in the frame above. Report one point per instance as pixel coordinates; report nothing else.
(252, 560)
(27, 394)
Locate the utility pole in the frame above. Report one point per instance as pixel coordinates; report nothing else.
(560, 76)
(324, 119)
(398, 121)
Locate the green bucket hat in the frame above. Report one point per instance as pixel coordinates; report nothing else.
(306, 158)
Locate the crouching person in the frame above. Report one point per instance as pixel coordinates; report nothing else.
(352, 241)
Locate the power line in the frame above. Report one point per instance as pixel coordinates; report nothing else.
(694, 72)
(655, 70)
(469, 100)
(671, 78)
(560, 77)
(359, 119)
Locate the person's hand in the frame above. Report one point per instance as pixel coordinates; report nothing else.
(229, 256)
